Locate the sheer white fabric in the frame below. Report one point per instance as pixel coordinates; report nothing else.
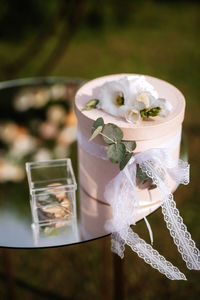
(121, 194)
(155, 163)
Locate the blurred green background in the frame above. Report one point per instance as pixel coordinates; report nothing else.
(87, 39)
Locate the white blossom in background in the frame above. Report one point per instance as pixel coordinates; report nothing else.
(31, 98)
(23, 145)
(61, 151)
(42, 154)
(8, 132)
(24, 101)
(48, 130)
(67, 135)
(58, 91)
(56, 114)
(10, 172)
(41, 97)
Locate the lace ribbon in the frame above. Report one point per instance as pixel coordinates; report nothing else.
(122, 196)
(144, 251)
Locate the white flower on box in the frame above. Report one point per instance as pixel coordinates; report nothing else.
(165, 106)
(144, 99)
(131, 97)
(132, 110)
(112, 96)
(139, 85)
(147, 101)
(132, 115)
(143, 96)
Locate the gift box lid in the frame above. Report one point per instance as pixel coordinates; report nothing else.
(146, 129)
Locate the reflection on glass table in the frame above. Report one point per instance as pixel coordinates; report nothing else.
(37, 123)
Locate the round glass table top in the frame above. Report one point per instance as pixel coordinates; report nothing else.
(37, 123)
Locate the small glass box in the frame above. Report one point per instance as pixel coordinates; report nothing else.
(52, 188)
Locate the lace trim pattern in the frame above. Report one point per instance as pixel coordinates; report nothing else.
(178, 230)
(122, 196)
(182, 238)
(150, 255)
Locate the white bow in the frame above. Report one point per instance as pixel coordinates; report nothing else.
(121, 194)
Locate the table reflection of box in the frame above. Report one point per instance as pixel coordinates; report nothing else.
(94, 214)
(59, 233)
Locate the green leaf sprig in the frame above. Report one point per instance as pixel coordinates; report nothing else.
(119, 151)
(91, 104)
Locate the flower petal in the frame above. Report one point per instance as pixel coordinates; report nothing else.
(109, 94)
(133, 116)
(139, 105)
(165, 106)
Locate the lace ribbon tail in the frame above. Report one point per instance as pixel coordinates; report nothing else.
(182, 238)
(152, 257)
(117, 244)
(144, 251)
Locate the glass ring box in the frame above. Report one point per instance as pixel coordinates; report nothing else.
(52, 187)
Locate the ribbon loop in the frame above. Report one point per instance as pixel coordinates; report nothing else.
(121, 194)
(156, 164)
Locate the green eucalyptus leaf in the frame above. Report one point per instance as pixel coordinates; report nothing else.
(112, 133)
(91, 104)
(125, 160)
(96, 132)
(97, 123)
(130, 145)
(116, 152)
(141, 175)
(47, 200)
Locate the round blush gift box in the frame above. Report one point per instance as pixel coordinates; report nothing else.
(95, 172)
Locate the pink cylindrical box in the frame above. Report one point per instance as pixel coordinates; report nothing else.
(95, 172)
